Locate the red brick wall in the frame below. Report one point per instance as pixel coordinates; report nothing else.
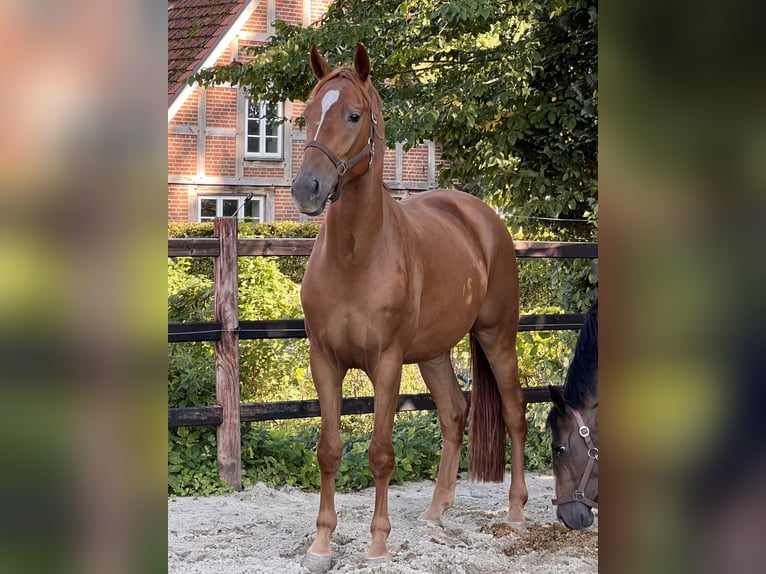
(290, 11)
(221, 107)
(182, 148)
(415, 164)
(389, 166)
(182, 154)
(188, 112)
(317, 10)
(219, 152)
(257, 22)
(177, 203)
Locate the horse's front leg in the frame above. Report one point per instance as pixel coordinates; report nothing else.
(328, 379)
(386, 378)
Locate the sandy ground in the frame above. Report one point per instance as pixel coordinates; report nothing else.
(262, 530)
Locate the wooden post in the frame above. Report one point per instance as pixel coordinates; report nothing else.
(227, 353)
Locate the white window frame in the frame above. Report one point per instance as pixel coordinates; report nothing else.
(261, 200)
(261, 136)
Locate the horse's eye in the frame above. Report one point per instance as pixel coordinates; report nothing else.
(353, 117)
(560, 450)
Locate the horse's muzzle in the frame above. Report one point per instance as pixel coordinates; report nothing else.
(309, 194)
(575, 515)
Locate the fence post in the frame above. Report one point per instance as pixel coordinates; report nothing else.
(227, 353)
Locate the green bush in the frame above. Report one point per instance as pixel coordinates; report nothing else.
(192, 464)
(277, 457)
(537, 449)
(291, 266)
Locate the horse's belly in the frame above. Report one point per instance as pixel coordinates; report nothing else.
(436, 339)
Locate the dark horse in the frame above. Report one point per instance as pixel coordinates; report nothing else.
(574, 425)
(393, 282)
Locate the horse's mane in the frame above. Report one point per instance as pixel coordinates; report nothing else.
(582, 376)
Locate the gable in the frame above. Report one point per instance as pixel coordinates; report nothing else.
(195, 29)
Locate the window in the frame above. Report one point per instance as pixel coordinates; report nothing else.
(227, 205)
(264, 131)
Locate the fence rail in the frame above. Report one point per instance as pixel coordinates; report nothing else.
(283, 410)
(296, 329)
(227, 330)
(211, 247)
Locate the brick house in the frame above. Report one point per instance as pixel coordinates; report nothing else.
(222, 146)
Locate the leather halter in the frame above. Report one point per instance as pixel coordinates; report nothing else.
(579, 494)
(343, 166)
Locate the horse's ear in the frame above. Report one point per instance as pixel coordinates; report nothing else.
(362, 62)
(318, 64)
(558, 399)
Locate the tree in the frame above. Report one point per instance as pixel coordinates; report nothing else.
(507, 89)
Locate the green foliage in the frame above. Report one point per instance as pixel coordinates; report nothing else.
(191, 367)
(537, 449)
(287, 456)
(273, 229)
(507, 89)
(271, 369)
(417, 444)
(568, 285)
(192, 466)
(279, 457)
(291, 267)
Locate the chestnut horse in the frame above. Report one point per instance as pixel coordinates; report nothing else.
(393, 282)
(574, 431)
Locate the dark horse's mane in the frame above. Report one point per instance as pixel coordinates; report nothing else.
(582, 376)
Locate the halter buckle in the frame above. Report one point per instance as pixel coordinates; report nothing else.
(584, 431)
(593, 453)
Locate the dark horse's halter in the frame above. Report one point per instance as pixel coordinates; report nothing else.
(344, 166)
(579, 494)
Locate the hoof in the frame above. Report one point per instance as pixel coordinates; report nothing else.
(430, 522)
(433, 517)
(515, 525)
(316, 562)
(379, 560)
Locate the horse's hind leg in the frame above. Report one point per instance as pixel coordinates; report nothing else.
(499, 345)
(452, 408)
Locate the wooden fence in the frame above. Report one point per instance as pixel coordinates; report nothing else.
(227, 330)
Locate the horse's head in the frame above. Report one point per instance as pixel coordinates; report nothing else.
(342, 122)
(574, 444)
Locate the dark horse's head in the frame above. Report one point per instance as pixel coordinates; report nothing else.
(574, 427)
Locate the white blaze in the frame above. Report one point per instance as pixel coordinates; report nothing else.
(327, 101)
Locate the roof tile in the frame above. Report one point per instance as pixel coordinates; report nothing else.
(194, 27)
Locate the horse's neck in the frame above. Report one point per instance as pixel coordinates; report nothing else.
(358, 225)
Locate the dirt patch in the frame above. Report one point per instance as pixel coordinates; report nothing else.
(264, 531)
(550, 538)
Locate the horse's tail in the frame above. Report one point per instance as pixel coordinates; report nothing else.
(486, 433)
